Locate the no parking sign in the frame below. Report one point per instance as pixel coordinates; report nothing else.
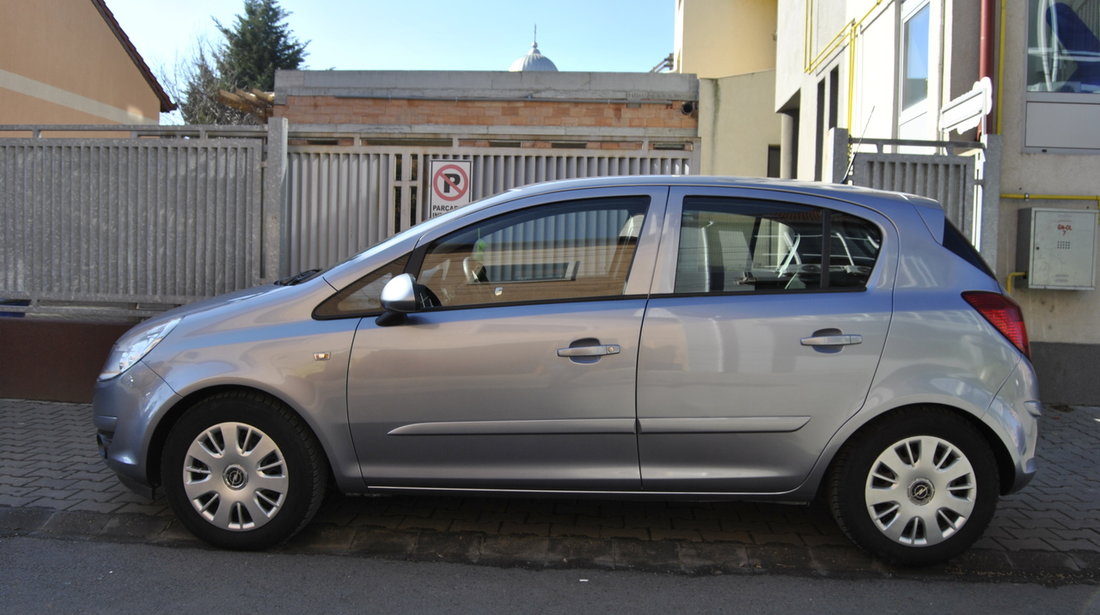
(450, 185)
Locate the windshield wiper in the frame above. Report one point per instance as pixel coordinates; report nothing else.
(297, 278)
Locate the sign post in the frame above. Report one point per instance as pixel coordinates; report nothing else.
(450, 185)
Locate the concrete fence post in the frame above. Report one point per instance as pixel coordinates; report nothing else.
(837, 151)
(991, 200)
(273, 220)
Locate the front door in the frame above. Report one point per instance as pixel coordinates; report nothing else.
(523, 374)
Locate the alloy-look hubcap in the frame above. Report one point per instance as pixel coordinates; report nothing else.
(920, 491)
(235, 476)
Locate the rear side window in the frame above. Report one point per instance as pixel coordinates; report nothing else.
(954, 240)
(734, 245)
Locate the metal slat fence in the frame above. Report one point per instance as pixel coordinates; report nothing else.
(947, 179)
(120, 226)
(128, 220)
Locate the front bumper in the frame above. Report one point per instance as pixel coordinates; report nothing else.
(127, 410)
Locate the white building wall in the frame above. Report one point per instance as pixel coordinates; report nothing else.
(1058, 316)
(862, 40)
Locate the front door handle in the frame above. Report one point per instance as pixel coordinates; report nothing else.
(832, 340)
(589, 351)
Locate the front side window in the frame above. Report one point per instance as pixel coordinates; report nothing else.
(732, 245)
(1063, 46)
(562, 251)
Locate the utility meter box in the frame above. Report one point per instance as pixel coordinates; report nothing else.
(1057, 248)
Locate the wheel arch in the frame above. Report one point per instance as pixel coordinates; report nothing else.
(180, 408)
(1006, 470)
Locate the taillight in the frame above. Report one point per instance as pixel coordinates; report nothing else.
(1004, 314)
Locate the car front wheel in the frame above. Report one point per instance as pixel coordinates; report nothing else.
(917, 489)
(242, 472)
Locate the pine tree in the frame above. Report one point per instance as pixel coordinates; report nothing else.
(197, 95)
(255, 47)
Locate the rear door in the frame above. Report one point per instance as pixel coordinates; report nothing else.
(766, 324)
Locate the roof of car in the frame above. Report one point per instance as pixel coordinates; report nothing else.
(842, 191)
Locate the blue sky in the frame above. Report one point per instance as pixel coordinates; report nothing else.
(578, 35)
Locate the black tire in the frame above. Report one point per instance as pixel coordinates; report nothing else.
(250, 464)
(915, 489)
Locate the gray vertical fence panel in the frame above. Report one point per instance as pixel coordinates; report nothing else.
(342, 200)
(127, 220)
(947, 179)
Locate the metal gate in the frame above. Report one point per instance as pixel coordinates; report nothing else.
(947, 179)
(964, 176)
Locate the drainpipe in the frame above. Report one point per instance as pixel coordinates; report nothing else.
(985, 52)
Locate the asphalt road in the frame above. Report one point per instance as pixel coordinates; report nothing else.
(60, 576)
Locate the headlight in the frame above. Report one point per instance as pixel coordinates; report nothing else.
(133, 346)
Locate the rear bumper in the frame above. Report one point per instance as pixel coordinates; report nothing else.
(1014, 415)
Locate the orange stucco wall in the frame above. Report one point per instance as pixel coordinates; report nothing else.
(66, 44)
(31, 110)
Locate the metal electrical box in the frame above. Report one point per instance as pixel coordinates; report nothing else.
(1057, 248)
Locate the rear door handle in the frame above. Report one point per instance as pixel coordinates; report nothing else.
(832, 340)
(589, 351)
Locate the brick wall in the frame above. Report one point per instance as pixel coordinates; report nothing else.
(334, 110)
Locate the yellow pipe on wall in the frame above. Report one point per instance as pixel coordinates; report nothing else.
(851, 77)
(849, 33)
(1026, 196)
(807, 34)
(1012, 276)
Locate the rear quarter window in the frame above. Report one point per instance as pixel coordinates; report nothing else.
(955, 241)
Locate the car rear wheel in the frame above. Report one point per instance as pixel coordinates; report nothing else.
(242, 472)
(915, 490)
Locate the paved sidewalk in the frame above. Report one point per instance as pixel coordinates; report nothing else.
(53, 483)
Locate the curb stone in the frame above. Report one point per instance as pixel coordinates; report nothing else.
(535, 552)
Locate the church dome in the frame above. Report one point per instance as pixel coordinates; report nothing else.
(534, 60)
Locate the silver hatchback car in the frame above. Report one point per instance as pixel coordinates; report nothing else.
(661, 337)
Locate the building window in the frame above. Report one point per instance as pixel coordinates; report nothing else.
(775, 161)
(1063, 46)
(834, 95)
(819, 137)
(915, 30)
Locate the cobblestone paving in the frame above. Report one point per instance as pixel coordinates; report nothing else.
(53, 482)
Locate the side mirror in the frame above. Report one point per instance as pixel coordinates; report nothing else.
(402, 296)
(399, 294)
